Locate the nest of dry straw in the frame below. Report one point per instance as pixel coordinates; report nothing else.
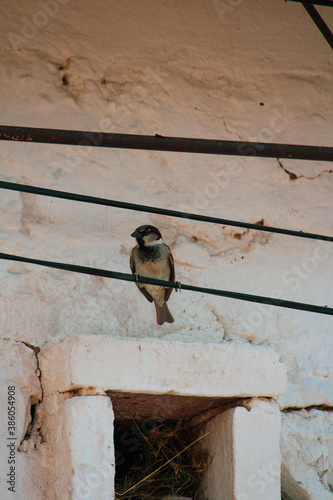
(168, 462)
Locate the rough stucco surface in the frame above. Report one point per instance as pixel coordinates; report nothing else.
(197, 71)
(18, 368)
(252, 70)
(307, 451)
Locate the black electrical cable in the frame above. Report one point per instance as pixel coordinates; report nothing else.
(155, 210)
(316, 17)
(319, 22)
(161, 143)
(150, 281)
(325, 3)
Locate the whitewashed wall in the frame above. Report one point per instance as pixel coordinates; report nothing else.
(249, 70)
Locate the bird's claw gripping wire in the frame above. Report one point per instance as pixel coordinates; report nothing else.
(179, 286)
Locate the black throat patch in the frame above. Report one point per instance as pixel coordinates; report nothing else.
(149, 252)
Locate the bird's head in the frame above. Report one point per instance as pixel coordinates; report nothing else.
(147, 236)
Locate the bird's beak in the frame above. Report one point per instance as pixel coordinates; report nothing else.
(136, 234)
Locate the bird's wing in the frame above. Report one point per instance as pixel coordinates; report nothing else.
(132, 265)
(142, 290)
(145, 293)
(172, 276)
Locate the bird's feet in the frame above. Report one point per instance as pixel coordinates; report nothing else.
(179, 286)
(137, 277)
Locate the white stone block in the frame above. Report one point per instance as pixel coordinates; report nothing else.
(80, 435)
(244, 446)
(161, 367)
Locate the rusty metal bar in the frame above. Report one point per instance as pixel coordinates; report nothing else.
(160, 143)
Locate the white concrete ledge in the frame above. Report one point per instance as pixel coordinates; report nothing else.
(151, 366)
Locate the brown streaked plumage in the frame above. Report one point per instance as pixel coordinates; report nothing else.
(152, 258)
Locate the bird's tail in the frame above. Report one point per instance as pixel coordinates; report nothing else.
(163, 314)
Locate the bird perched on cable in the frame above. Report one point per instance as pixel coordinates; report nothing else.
(152, 258)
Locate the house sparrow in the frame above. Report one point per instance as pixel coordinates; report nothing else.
(152, 258)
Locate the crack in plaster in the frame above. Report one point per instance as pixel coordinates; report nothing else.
(248, 403)
(33, 430)
(294, 176)
(322, 407)
(35, 350)
(83, 391)
(211, 115)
